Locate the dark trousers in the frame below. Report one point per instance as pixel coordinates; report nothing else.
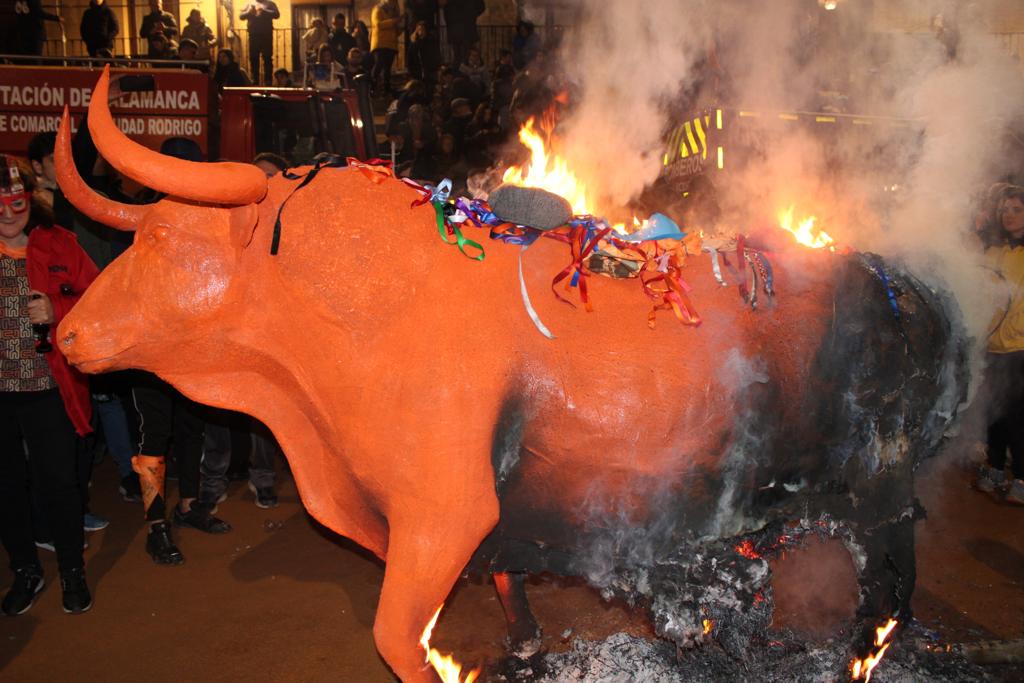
(261, 44)
(217, 453)
(83, 474)
(383, 58)
(166, 416)
(1004, 383)
(39, 418)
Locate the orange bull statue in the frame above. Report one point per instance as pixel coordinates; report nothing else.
(425, 418)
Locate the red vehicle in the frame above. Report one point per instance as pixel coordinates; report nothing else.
(235, 124)
(296, 123)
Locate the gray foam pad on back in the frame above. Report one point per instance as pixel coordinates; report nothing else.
(529, 206)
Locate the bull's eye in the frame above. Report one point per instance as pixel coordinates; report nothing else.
(157, 235)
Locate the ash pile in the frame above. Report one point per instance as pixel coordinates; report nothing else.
(713, 604)
(622, 658)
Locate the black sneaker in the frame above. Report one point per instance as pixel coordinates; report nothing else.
(160, 546)
(199, 517)
(77, 598)
(28, 581)
(130, 489)
(265, 496)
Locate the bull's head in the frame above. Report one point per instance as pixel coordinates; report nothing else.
(172, 282)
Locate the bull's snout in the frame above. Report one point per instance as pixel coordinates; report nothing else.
(79, 346)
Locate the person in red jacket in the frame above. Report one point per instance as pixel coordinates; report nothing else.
(44, 402)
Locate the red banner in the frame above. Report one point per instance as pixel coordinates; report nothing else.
(33, 97)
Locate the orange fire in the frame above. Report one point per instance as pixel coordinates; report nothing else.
(546, 170)
(805, 232)
(863, 667)
(448, 670)
(549, 171)
(708, 625)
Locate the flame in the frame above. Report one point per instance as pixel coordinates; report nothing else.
(448, 670)
(708, 625)
(863, 667)
(547, 171)
(805, 233)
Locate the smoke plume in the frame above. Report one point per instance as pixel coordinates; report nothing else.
(944, 98)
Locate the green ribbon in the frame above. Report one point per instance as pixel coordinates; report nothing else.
(460, 239)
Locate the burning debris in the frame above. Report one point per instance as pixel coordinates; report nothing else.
(862, 668)
(447, 669)
(621, 658)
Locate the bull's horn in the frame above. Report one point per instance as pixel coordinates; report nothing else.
(83, 197)
(219, 183)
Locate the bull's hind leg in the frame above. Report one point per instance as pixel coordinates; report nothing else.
(428, 547)
(524, 636)
(889, 573)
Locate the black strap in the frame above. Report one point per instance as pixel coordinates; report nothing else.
(322, 161)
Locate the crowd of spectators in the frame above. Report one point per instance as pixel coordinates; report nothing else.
(451, 118)
(57, 422)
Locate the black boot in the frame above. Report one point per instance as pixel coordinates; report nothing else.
(160, 546)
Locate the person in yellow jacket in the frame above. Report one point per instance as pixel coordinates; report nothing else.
(384, 28)
(1005, 360)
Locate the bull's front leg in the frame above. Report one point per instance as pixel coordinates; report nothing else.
(429, 544)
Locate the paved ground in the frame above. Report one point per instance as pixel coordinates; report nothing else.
(279, 599)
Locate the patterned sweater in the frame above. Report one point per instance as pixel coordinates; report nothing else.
(21, 367)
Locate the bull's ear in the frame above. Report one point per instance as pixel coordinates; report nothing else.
(243, 224)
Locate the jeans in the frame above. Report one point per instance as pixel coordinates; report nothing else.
(217, 456)
(39, 418)
(115, 431)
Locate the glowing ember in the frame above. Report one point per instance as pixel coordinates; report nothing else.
(861, 668)
(448, 670)
(746, 549)
(805, 233)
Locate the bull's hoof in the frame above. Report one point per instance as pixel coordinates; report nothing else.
(526, 648)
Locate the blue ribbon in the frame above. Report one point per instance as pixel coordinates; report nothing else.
(875, 265)
(441, 192)
(769, 274)
(659, 227)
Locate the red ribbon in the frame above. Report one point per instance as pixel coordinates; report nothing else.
(376, 170)
(673, 294)
(580, 251)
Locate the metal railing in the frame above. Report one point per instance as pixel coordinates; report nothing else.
(288, 53)
(493, 39)
(138, 62)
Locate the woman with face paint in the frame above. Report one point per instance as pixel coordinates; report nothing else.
(44, 402)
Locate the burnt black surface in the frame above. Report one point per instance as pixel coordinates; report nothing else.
(888, 375)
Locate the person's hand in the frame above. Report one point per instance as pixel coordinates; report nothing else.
(40, 310)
